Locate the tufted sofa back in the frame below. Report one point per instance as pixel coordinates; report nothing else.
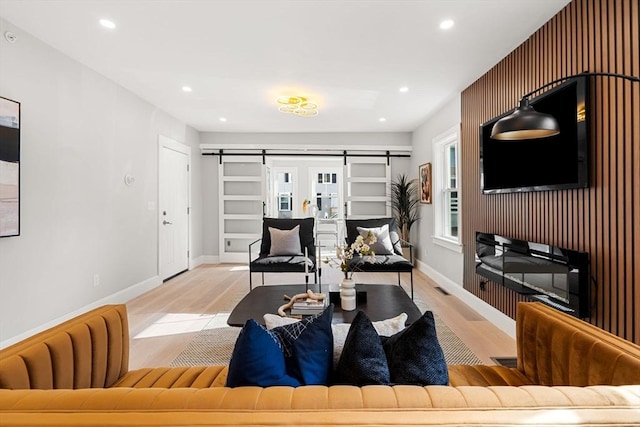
(555, 348)
(88, 351)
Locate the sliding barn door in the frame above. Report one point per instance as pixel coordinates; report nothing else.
(242, 192)
(368, 187)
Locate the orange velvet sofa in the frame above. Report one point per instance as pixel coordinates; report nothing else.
(568, 373)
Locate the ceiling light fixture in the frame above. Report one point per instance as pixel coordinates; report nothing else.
(223, 119)
(108, 24)
(187, 89)
(298, 105)
(446, 24)
(404, 89)
(382, 119)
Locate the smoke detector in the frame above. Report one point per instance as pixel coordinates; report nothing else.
(11, 38)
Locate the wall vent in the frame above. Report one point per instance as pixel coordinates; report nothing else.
(442, 290)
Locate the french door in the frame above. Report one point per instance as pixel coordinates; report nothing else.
(249, 190)
(368, 186)
(242, 182)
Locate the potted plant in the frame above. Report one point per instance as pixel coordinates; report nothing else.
(405, 201)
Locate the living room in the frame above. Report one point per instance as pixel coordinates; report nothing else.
(89, 181)
(111, 213)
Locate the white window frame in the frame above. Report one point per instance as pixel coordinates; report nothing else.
(441, 187)
(284, 197)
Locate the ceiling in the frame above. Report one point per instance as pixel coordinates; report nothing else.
(350, 57)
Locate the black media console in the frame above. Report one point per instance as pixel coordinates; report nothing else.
(555, 276)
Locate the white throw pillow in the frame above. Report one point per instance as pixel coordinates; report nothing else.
(385, 328)
(285, 242)
(383, 245)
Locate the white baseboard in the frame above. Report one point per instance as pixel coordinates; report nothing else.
(235, 258)
(119, 297)
(495, 316)
(204, 259)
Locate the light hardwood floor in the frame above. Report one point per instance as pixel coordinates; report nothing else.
(164, 320)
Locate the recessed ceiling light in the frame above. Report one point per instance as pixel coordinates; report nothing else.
(446, 24)
(108, 24)
(404, 89)
(382, 119)
(186, 88)
(223, 119)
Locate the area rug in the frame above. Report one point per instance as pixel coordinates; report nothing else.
(214, 346)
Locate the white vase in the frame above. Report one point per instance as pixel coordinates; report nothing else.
(348, 294)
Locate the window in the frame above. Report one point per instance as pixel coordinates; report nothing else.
(284, 202)
(327, 178)
(327, 198)
(447, 190)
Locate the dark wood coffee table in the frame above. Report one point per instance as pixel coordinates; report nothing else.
(382, 302)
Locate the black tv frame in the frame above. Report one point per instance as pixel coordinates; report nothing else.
(583, 137)
(512, 263)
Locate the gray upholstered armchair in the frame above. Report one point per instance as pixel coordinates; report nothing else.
(388, 248)
(286, 246)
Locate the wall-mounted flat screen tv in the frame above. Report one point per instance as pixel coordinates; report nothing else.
(552, 163)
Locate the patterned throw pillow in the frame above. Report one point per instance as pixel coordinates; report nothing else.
(383, 245)
(308, 347)
(291, 355)
(258, 360)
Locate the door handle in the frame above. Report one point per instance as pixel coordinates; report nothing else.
(164, 222)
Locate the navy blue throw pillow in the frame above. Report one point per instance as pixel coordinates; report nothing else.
(414, 354)
(257, 359)
(308, 348)
(362, 361)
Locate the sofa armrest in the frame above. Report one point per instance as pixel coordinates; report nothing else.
(90, 350)
(555, 348)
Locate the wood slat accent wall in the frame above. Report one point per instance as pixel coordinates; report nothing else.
(604, 219)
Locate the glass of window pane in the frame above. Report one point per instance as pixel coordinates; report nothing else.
(451, 216)
(452, 175)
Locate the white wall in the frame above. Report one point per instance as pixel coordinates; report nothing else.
(447, 262)
(80, 134)
(210, 226)
(339, 140)
(442, 264)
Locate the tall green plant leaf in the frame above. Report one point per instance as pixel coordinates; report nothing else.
(405, 202)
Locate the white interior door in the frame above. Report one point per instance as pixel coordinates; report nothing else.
(173, 208)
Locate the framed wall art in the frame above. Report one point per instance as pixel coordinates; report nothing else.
(424, 177)
(9, 168)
